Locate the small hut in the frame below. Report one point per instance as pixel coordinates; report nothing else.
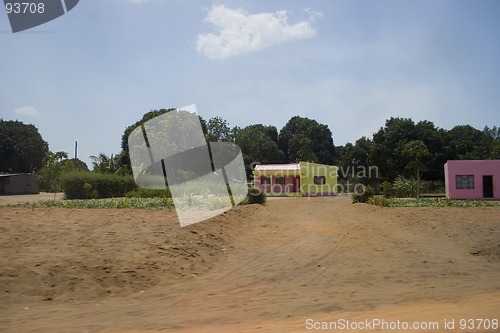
(298, 179)
(472, 179)
(20, 183)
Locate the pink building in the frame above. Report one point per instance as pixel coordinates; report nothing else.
(297, 179)
(472, 179)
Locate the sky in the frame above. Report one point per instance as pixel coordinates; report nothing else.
(351, 65)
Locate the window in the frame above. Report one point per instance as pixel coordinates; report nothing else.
(280, 180)
(464, 182)
(265, 180)
(319, 180)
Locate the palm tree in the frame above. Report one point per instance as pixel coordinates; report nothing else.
(102, 163)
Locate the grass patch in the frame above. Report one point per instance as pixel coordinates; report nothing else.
(141, 203)
(138, 199)
(149, 193)
(434, 202)
(210, 202)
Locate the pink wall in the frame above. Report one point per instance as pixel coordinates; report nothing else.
(476, 168)
(276, 188)
(283, 188)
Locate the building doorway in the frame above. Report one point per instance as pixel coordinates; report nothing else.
(487, 186)
(296, 184)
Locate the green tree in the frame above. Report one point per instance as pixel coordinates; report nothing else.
(306, 138)
(388, 145)
(354, 161)
(218, 130)
(464, 142)
(434, 139)
(345, 159)
(105, 164)
(258, 145)
(494, 134)
(123, 159)
(416, 150)
(301, 147)
(124, 155)
(55, 166)
(22, 148)
(361, 152)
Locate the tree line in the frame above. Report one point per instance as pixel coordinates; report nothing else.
(401, 147)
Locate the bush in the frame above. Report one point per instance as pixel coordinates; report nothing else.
(436, 186)
(387, 190)
(404, 187)
(255, 196)
(379, 201)
(362, 194)
(438, 202)
(88, 192)
(137, 203)
(87, 185)
(149, 193)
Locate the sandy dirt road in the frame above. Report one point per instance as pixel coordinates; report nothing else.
(287, 266)
(14, 199)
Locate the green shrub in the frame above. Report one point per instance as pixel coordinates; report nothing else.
(436, 186)
(379, 201)
(404, 187)
(387, 190)
(86, 185)
(149, 193)
(88, 192)
(137, 203)
(362, 194)
(440, 202)
(255, 196)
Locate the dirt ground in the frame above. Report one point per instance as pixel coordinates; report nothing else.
(292, 265)
(13, 199)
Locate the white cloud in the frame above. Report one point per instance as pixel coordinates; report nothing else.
(26, 111)
(239, 32)
(137, 2)
(313, 14)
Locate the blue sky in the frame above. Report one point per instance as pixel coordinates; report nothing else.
(89, 74)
